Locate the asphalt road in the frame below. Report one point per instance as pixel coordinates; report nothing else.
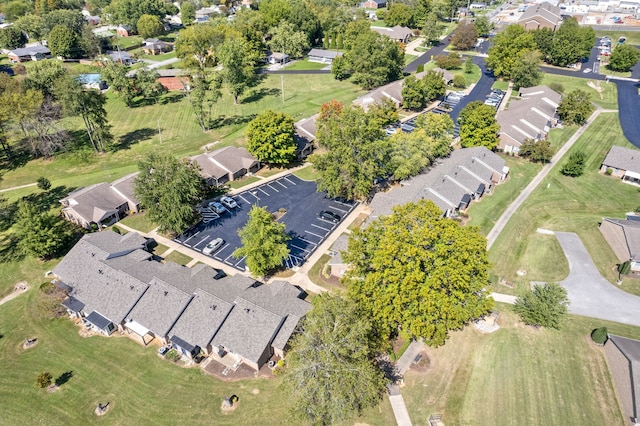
(589, 293)
(426, 57)
(628, 103)
(302, 203)
(479, 91)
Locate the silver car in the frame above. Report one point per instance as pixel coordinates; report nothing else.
(213, 246)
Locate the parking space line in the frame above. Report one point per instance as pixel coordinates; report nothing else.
(227, 258)
(185, 241)
(223, 247)
(315, 235)
(300, 248)
(289, 180)
(344, 204)
(269, 185)
(243, 199)
(326, 221)
(308, 242)
(240, 261)
(201, 241)
(280, 183)
(324, 229)
(264, 192)
(340, 210)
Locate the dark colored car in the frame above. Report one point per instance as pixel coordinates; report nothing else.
(330, 216)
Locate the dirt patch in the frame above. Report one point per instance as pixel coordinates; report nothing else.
(255, 391)
(423, 365)
(243, 372)
(30, 343)
(53, 388)
(101, 410)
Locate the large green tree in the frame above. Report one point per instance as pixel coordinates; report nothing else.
(575, 107)
(286, 38)
(416, 94)
(187, 13)
(202, 92)
(439, 127)
(478, 126)
(330, 373)
(115, 75)
(238, 58)
(63, 42)
(34, 26)
(465, 36)
(544, 306)
(399, 14)
(432, 29)
(571, 43)
(623, 57)
(40, 234)
(270, 138)
(150, 26)
(12, 38)
(264, 242)
(356, 152)
(129, 11)
(44, 75)
(417, 271)
(413, 152)
(71, 19)
(168, 189)
(195, 45)
(526, 71)
(506, 49)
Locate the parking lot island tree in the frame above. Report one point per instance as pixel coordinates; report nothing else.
(526, 71)
(270, 138)
(356, 151)
(419, 272)
(330, 370)
(168, 188)
(264, 242)
(478, 126)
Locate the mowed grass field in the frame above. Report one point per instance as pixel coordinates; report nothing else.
(140, 387)
(518, 375)
(561, 203)
(137, 130)
(607, 98)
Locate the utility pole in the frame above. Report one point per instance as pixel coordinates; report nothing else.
(159, 131)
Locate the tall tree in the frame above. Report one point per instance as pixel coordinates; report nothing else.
(270, 138)
(71, 19)
(150, 26)
(187, 13)
(465, 35)
(545, 306)
(147, 84)
(12, 38)
(34, 26)
(478, 126)
(88, 105)
(526, 71)
(440, 128)
(399, 14)
(412, 94)
(43, 76)
(330, 372)
(264, 242)
(202, 92)
(571, 43)
(64, 42)
(169, 189)
(40, 234)
(623, 57)
(115, 75)
(356, 153)
(432, 29)
(195, 45)
(575, 107)
(506, 48)
(413, 152)
(483, 25)
(286, 38)
(543, 38)
(238, 58)
(129, 11)
(419, 272)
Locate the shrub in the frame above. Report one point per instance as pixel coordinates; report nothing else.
(544, 306)
(459, 82)
(44, 380)
(600, 335)
(449, 62)
(557, 87)
(609, 171)
(574, 167)
(420, 68)
(172, 355)
(43, 183)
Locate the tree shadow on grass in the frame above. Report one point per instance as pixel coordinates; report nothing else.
(125, 141)
(171, 98)
(258, 94)
(46, 200)
(14, 159)
(64, 378)
(222, 120)
(9, 251)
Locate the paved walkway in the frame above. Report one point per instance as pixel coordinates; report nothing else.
(18, 187)
(504, 298)
(504, 218)
(397, 402)
(590, 294)
(410, 48)
(15, 293)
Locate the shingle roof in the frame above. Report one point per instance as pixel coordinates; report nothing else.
(229, 159)
(631, 350)
(124, 187)
(623, 159)
(322, 53)
(31, 50)
(307, 127)
(340, 245)
(629, 230)
(396, 33)
(544, 10)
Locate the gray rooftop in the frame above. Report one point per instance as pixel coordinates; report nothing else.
(322, 53)
(630, 233)
(31, 50)
(340, 245)
(124, 187)
(396, 33)
(228, 159)
(623, 159)
(543, 10)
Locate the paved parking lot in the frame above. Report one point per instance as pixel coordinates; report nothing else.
(302, 204)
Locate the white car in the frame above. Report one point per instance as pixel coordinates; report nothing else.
(586, 70)
(228, 202)
(213, 246)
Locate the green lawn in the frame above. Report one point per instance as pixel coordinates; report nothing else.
(632, 36)
(609, 98)
(158, 58)
(409, 58)
(485, 213)
(562, 203)
(179, 258)
(518, 375)
(139, 386)
(243, 182)
(139, 221)
(305, 65)
(307, 173)
(501, 84)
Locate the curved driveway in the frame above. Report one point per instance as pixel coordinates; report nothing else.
(589, 293)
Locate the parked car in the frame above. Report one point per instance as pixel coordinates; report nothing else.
(228, 202)
(330, 216)
(217, 207)
(586, 70)
(213, 246)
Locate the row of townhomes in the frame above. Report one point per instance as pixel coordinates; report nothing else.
(115, 285)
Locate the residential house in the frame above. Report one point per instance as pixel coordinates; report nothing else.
(101, 204)
(623, 236)
(304, 136)
(323, 56)
(173, 79)
(225, 164)
(153, 46)
(623, 357)
(122, 57)
(114, 284)
(92, 81)
(374, 4)
(31, 53)
(623, 163)
(204, 14)
(529, 117)
(452, 184)
(338, 266)
(478, 6)
(277, 58)
(124, 31)
(397, 33)
(92, 19)
(542, 15)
